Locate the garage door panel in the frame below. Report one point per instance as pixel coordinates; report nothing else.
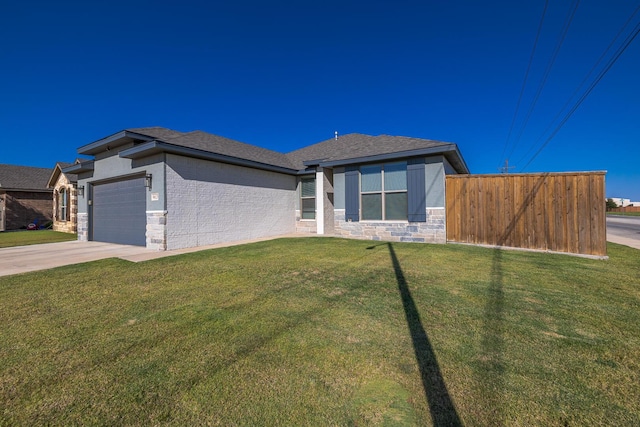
(119, 212)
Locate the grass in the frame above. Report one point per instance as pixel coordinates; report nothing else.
(33, 237)
(624, 213)
(324, 331)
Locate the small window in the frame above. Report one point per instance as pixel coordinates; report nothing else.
(384, 191)
(308, 198)
(63, 205)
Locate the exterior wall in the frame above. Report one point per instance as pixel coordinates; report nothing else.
(305, 226)
(109, 165)
(327, 202)
(434, 182)
(83, 227)
(448, 169)
(432, 231)
(112, 166)
(210, 202)
(156, 232)
(338, 188)
(24, 207)
(61, 224)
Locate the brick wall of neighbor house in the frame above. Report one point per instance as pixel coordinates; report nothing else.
(210, 202)
(69, 226)
(432, 231)
(24, 207)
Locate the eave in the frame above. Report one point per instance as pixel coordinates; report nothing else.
(79, 167)
(112, 141)
(154, 147)
(450, 151)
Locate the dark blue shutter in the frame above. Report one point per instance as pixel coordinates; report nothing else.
(352, 193)
(416, 191)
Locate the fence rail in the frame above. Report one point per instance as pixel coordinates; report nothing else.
(563, 212)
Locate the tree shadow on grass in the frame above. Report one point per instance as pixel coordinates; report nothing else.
(443, 411)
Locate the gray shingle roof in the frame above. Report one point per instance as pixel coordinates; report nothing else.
(217, 144)
(357, 145)
(157, 132)
(14, 177)
(332, 152)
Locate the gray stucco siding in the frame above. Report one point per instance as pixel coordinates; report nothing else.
(434, 181)
(448, 169)
(210, 202)
(114, 167)
(338, 188)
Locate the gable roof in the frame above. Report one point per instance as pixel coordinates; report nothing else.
(348, 149)
(24, 178)
(57, 170)
(359, 148)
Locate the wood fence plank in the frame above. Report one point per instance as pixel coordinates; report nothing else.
(582, 213)
(562, 212)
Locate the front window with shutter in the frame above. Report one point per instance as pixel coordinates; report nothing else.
(308, 198)
(384, 191)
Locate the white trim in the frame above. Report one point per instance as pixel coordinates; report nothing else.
(319, 201)
(162, 212)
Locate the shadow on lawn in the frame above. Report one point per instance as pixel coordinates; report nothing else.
(443, 411)
(491, 363)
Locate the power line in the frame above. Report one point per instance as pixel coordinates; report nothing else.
(526, 76)
(626, 44)
(543, 82)
(584, 80)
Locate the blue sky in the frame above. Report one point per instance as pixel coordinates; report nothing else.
(286, 74)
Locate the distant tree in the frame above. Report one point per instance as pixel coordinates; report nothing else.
(611, 204)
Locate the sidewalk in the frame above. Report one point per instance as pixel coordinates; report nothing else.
(633, 243)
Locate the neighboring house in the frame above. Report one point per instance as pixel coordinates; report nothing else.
(164, 189)
(24, 197)
(65, 198)
(621, 202)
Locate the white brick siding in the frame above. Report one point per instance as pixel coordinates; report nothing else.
(210, 202)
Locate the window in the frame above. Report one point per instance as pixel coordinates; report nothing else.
(63, 204)
(308, 198)
(384, 191)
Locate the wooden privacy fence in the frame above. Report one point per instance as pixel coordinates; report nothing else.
(563, 212)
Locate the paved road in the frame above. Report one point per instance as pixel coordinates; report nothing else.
(624, 230)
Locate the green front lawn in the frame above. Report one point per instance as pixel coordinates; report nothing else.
(323, 331)
(33, 237)
(624, 213)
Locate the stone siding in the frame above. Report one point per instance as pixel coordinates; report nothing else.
(431, 231)
(61, 224)
(305, 226)
(157, 230)
(83, 227)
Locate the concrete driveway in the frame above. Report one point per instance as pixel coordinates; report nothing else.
(22, 259)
